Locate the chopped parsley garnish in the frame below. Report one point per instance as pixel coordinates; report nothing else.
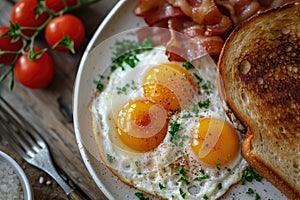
(140, 196)
(161, 186)
(183, 179)
(257, 197)
(182, 193)
(181, 171)
(186, 116)
(188, 65)
(177, 139)
(174, 131)
(218, 165)
(219, 186)
(110, 158)
(249, 175)
(201, 178)
(113, 68)
(99, 86)
(204, 104)
(207, 86)
(125, 53)
(205, 196)
(195, 110)
(250, 191)
(137, 163)
(202, 171)
(180, 152)
(126, 88)
(127, 50)
(199, 79)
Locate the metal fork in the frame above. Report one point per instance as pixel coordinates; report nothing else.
(29, 144)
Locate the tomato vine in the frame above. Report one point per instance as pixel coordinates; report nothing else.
(17, 39)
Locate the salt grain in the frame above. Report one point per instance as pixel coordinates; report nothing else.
(41, 180)
(48, 183)
(10, 185)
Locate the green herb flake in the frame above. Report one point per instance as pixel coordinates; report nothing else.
(257, 197)
(127, 88)
(182, 193)
(188, 65)
(174, 131)
(161, 186)
(110, 158)
(141, 196)
(186, 116)
(249, 175)
(137, 163)
(205, 197)
(219, 186)
(201, 178)
(99, 86)
(218, 165)
(184, 180)
(180, 152)
(181, 171)
(204, 104)
(202, 171)
(199, 79)
(250, 191)
(195, 110)
(207, 86)
(126, 52)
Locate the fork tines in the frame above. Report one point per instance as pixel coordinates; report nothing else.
(19, 133)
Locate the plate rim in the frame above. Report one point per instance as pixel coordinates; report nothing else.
(75, 103)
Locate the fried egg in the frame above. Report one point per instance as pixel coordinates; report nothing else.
(161, 128)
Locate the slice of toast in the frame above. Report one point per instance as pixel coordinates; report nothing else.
(259, 80)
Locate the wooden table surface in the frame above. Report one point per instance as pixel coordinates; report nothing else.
(50, 111)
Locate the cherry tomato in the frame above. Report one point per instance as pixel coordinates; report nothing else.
(67, 30)
(58, 5)
(6, 44)
(35, 74)
(25, 15)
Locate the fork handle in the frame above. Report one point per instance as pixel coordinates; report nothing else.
(76, 195)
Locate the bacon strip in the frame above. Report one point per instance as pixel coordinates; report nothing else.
(155, 11)
(204, 13)
(240, 9)
(189, 42)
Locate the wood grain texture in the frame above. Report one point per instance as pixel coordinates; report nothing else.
(50, 110)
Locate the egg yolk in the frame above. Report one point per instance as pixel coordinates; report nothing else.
(216, 142)
(142, 125)
(169, 85)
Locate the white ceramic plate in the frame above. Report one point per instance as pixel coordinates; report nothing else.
(95, 59)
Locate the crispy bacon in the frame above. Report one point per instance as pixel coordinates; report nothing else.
(156, 11)
(240, 9)
(206, 13)
(192, 28)
(189, 42)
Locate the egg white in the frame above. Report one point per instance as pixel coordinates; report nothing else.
(151, 170)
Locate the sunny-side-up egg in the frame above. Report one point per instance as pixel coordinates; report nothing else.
(162, 129)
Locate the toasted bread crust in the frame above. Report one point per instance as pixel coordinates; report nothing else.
(259, 69)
